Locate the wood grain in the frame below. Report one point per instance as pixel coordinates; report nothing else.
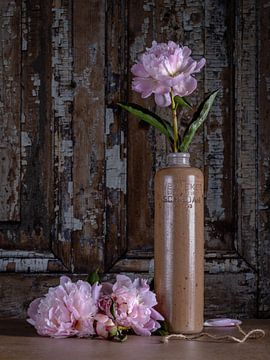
(264, 162)
(218, 137)
(62, 93)
(246, 138)
(140, 137)
(88, 135)
(77, 172)
(10, 77)
(116, 150)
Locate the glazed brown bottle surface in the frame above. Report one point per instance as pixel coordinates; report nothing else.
(179, 244)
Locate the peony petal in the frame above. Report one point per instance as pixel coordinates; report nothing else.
(156, 315)
(96, 289)
(139, 70)
(64, 280)
(186, 51)
(141, 331)
(185, 86)
(143, 86)
(32, 311)
(200, 65)
(163, 100)
(106, 288)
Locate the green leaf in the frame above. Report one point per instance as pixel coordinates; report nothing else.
(112, 309)
(181, 101)
(93, 277)
(163, 330)
(197, 120)
(121, 334)
(152, 119)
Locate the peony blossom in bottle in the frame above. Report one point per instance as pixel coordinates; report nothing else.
(164, 69)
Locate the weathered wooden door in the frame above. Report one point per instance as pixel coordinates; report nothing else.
(77, 175)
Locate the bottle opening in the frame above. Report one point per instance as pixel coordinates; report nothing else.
(178, 159)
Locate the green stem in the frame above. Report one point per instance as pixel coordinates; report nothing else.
(174, 121)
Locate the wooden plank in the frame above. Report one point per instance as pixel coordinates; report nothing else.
(246, 138)
(36, 135)
(116, 131)
(21, 261)
(231, 295)
(36, 140)
(219, 136)
(62, 93)
(140, 137)
(19, 339)
(10, 65)
(264, 160)
(88, 133)
(18, 290)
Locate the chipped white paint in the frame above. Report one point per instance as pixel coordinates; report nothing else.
(115, 169)
(227, 265)
(116, 166)
(25, 145)
(66, 149)
(25, 261)
(138, 45)
(25, 254)
(24, 26)
(217, 62)
(62, 98)
(24, 265)
(36, 85)
(9, 111)
(109, 120)
(25, 139)
(246, 117)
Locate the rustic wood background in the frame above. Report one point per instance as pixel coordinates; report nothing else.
(77, 175)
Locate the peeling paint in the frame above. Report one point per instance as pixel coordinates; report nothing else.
(25, 139)
(138, 46)
(115, 169)
(36, 85)
(62, 100)
(10, 65)
(27, 261)
(109, 120)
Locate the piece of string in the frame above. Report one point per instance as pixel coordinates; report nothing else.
(253, 334)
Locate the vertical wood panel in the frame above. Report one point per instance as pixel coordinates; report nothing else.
(219, 130)
(116, 130)
(34, 230)
(246, 128)
(36, 136)
(264, 160)
(140, 137)
(10, 65)
(62, 107)
(88, 131)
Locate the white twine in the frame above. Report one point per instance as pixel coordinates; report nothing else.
(253, 334)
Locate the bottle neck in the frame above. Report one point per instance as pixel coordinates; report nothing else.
(178, 159)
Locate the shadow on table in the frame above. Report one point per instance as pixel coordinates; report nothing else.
(16, 327)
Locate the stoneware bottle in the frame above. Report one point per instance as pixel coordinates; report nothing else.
(179, 244)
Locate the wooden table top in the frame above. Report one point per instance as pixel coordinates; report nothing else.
(19, 341)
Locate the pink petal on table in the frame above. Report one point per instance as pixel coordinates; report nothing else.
(222, 322)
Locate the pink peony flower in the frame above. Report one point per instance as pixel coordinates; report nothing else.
(131, 305)
(165, 67)
(66, 310)
(105, 327)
